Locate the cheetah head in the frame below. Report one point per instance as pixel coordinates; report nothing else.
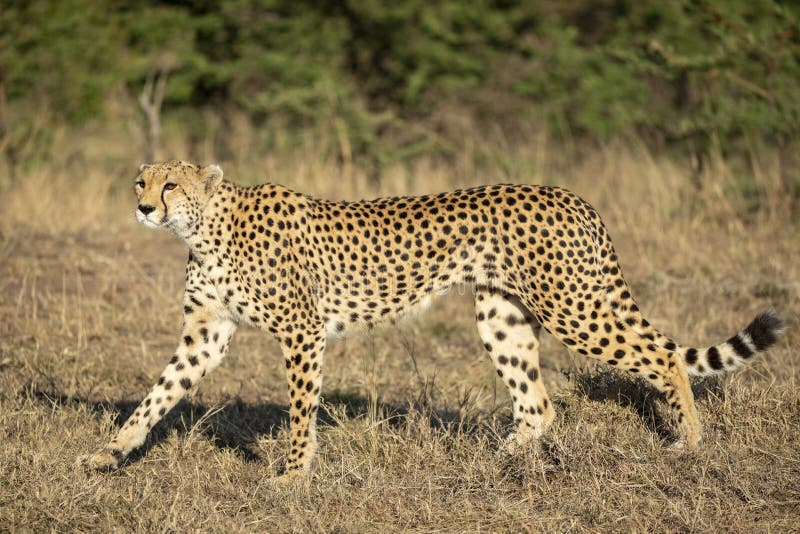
(173, 194)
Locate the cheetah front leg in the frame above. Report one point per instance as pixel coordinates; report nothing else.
(205, 338)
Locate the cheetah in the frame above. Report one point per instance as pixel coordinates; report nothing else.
(306, 269)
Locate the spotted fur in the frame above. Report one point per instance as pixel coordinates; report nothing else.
(305, 269)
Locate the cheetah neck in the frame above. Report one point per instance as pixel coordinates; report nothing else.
(209, 215)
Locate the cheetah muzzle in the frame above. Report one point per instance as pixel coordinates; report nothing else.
(305, 269)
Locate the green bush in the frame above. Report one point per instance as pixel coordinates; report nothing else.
(380, 73)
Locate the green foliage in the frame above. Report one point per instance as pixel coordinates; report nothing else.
(384, 76)
(73, 78)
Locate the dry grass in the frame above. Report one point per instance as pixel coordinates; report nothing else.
(90, 307)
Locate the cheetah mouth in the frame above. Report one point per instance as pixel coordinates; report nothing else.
(147, 221)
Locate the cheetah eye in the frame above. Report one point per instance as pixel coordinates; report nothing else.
(170, 186)
(140, 183)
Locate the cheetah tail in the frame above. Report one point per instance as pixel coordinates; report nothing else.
(758, 336)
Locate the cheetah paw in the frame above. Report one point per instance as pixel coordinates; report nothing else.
(682, 446)
(518, 442)
(104, 460)
(511, 445)
(288, 478)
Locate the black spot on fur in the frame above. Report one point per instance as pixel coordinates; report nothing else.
(713, 358)
(740, 346)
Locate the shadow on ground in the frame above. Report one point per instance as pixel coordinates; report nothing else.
(237, 425)
(605, 385)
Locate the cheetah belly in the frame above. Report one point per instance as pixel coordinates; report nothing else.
(342, 323)
(383, 293)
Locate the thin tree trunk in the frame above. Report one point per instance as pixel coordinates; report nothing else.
(150, 101)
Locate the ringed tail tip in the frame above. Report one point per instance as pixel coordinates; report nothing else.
(762, 333)
(765, 329)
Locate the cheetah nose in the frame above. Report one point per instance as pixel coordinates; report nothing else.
(146, 208)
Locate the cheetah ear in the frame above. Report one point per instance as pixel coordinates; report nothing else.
(143, 166)
(211, 176)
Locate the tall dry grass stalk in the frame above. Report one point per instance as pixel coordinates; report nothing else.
(87, 180)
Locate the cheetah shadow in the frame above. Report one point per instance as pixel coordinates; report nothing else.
(606, 385)
(235, 425)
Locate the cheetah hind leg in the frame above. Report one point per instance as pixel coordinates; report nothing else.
(510, 334)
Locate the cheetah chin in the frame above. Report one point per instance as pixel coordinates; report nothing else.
(304, 269)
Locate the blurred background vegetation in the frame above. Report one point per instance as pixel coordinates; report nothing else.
(372, 83)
